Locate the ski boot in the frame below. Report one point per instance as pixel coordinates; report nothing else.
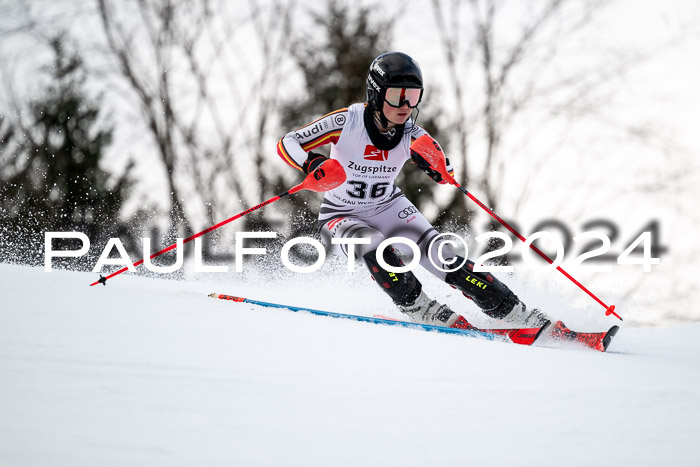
(426, 311)
(520, 315)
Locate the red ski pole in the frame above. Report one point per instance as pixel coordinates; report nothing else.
(430, 150)
(324, 178)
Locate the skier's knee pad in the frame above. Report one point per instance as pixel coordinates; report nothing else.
(491, 295)
(403, 287)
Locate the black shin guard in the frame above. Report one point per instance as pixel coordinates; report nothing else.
(491, 295)
(403, 287)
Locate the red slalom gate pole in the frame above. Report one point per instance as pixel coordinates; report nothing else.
(326, 177)
(430, 150)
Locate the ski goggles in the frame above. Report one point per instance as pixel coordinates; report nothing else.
(396, 97)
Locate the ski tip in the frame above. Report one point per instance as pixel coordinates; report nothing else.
(525, 336)
(608, 337)
(542, 329)
(227, 297)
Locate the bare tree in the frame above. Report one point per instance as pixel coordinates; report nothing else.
(193, 76)
(507, 67)
(503, 70)
(152, 85)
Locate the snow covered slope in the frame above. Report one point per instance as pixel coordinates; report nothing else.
(152, 372)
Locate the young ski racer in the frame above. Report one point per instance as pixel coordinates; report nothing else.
(372, 141)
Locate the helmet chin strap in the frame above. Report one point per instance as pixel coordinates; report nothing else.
(415, 119)
(382, 124)
(382, 119)
(379, 110)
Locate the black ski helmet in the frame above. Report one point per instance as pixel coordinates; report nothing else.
(391, 70)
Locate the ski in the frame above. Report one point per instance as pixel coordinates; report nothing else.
(595, 340)
(522, 336)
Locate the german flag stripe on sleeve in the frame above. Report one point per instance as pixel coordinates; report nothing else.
(330, 137)
(285, 156)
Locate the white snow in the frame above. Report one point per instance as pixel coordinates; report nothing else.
(151, 372)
